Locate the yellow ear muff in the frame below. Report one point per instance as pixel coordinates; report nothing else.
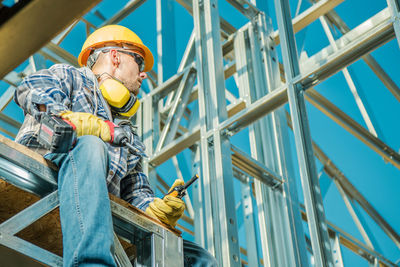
(115, 93)
(119, 98)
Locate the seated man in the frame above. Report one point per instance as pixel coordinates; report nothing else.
(90, 99)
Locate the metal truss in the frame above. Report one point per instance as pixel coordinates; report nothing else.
(9, 228)
(189, 110)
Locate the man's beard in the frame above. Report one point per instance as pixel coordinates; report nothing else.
(133, 87)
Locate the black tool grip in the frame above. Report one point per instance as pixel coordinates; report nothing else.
(191, 181)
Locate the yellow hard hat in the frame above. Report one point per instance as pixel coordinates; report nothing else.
(117, 35)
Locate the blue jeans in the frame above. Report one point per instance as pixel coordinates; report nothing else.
(85, 211)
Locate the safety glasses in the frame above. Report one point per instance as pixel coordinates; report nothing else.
(138, 58)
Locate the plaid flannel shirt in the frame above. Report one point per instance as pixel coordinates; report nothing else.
(63, 87)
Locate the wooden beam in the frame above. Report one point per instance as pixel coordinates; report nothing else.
(34, 26)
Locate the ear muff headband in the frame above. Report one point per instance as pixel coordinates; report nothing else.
(128, 105)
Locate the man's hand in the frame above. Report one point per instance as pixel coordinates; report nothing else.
(169, 209)
(88, 124)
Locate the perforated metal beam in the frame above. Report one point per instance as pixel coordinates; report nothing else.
(312, 194)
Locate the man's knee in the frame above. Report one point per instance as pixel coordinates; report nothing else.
(92, 146)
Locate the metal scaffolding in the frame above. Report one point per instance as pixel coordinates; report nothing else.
(190, 115)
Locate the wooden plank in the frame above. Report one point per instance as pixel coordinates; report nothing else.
(26, 151)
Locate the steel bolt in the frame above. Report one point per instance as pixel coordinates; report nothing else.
(235, 258)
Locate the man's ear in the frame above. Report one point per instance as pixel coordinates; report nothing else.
(114, 57)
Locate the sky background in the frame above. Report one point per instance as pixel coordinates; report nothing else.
(377, 180)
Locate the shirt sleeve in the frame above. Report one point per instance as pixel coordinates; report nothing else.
(135, 189)
(51, 87)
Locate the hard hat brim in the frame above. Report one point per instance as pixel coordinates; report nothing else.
(148, 56)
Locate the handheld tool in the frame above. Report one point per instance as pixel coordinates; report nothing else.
(180, 190)
(121, 139)
(55, 134)
(59, 136)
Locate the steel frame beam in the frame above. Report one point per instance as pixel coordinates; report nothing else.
(353, 127)
(350, 82)
(178, 107)
(310, 15)
(131, 6)
(257, 75)
(333, 171)
(320, 242)
(280, 94)
(337, 253)
(26, 217)
(353, 244)
(271, 101)
(356, 246)
(245, 7)
(383, 76)
(226, 27)
(350, 190)
(255, 168)
(222, 233)
(278, 97)
(249, 223)
(198, 200)
(334, 19)
(372, 33)
(354, 216)
(360, 41)
(394, 7)
(166, 43)
(344, 238)
(36, 62)
(58, 55)
(338, 235)
(6, 97)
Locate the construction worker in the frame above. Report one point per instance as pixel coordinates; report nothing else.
(93, 99)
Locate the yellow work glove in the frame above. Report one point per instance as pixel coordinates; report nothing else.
(88, 124)
(169, 209)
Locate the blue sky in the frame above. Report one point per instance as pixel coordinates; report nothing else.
(378, 181)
